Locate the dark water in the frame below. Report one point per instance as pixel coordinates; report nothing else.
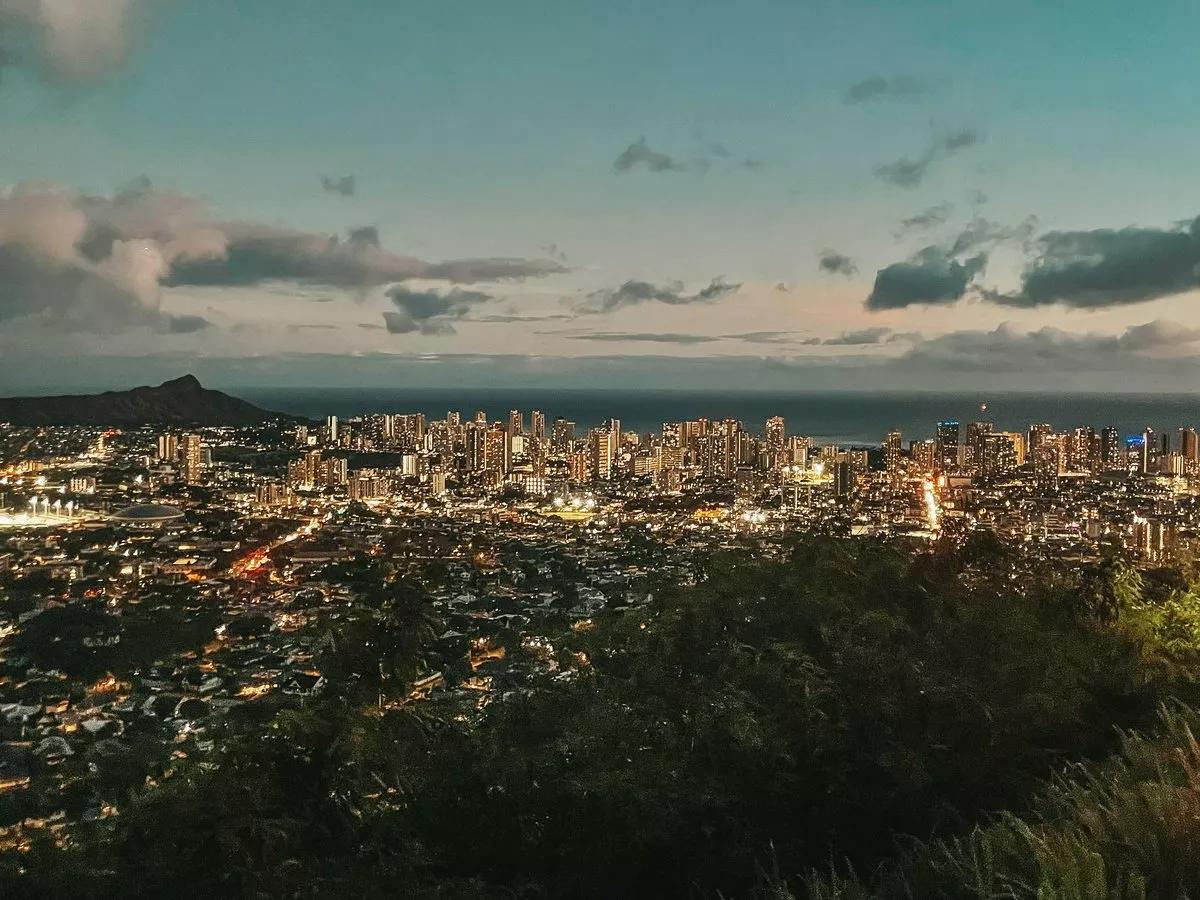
(839, 417)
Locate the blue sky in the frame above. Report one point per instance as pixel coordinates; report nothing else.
(479, 130)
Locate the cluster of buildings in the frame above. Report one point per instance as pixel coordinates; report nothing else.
(207, 570)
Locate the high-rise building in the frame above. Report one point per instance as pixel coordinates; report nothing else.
(562, 435)
(168, 447)
(516, 422)
(844, 476)
(947, 446)
(775, 433)
(1081, 450)
(602, 449)
(453, 418)
(1149, 455)
(1004, 451)
(498, 450)
(537, 424)
(192, 456)
(1110, 449)
(1037, 433)
(893, 459)
(271, 493)
(924, 456)
(1189, 449)
(476, 443)
(331, 429)
(977, 433)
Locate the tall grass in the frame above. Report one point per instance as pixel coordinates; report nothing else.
(1124, 829)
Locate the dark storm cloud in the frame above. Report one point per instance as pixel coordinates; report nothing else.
(836, 263)
(909, 172)
(430, 312)
(880, 87)
(1005, 349)
(862, 338)
(634, 293)
(930, 277)
(74, 42)
(1105, 267)
(930, 217)
(638, 155)
(345, 185)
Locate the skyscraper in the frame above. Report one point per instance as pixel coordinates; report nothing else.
(498, 450)
(168, 447)
(1189, 448)
(893, 459)
(562, 435)
(1037, 433)
(977, 433)
(1110, 449)
(775, 433)
(602, 446)
(537, 425)
(193, 459)
(924, 455)
(947, 446)
(516, 422)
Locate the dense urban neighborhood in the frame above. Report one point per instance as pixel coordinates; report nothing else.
(163, 591)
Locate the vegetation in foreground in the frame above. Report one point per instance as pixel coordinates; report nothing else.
(858, 719)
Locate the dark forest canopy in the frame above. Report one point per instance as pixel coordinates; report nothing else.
(854, 707)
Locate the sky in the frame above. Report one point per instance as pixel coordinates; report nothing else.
(774, 194)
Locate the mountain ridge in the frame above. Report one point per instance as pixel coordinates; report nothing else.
(179, 401)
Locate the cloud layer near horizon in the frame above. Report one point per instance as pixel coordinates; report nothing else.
(98, 264)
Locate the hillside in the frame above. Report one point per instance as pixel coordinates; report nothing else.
(181, 401)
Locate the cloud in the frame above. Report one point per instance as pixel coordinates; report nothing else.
(1005, 349)
(634, 293)
(430, 312)
(48, 276)
(909, 173)
(836, 263)
(645, 337)
(517, 317)
(944, 274)
(930, 217)
(764, 337)
(880, 87)
(929, 277)
(346, 185)
(75, 42)
(638, 155)
(985, 234)
(1106, 267)
(862, 338)
(85, 263)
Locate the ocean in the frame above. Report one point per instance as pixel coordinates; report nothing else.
(843, 418)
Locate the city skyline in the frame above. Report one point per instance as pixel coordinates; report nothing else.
(786, 196)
